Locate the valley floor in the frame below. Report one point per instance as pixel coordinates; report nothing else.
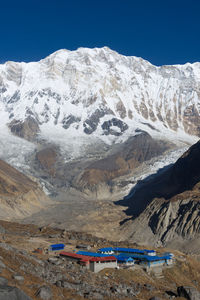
(74, 210)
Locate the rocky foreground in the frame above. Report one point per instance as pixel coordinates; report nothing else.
(27, 275)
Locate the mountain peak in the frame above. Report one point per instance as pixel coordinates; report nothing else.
(102, 94)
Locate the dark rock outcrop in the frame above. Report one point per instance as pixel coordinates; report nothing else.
(69, 120)
(28, 129)
(90, 124)
(190, 293)
(108, 127)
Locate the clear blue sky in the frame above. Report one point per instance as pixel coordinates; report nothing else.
(163, 32)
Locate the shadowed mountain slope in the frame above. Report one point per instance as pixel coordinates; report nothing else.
(185, 173)
(166, 207)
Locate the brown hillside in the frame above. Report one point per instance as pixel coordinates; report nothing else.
(47, 159)
(19, 195)
(12, 182)
(134, 152)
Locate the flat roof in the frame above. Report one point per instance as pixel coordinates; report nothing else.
(74, 255)
(106, 249)
(107, 258)
(87, 258)
(149, 251)
(93, 254)
(82, 255)
(129, 250)
(57, 246)
(147, 257)
(124, 258)
(154, 258)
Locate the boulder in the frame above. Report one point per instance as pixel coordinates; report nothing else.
(18, 278)
(7, 247)
(12, 293)
(96, 296)
(2, 265)
(170, 294)
(2, 229)
(190, 293)
(44, 293)
(3, 281)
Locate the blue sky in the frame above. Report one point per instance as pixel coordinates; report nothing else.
(163, 32)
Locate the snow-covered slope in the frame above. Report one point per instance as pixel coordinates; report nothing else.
(77, 96)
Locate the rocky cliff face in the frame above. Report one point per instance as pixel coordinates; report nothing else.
(167, 208)
(27, 129)
(173, 224)
(19, 195)
(180, 218)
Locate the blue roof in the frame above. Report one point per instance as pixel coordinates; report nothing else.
(129, 250)
(106, 249)
(132, 255)
(128, 256)
(152, 258)
(147, 257)
(149, 251)
(124, 258)
(57, 245)
(93, 254)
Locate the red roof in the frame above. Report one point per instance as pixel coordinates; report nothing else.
(84, 261)
(74, 255)
(106, 258)
(87, 258)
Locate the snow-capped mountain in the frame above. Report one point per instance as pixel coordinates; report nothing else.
(97, 93)
(92, 123)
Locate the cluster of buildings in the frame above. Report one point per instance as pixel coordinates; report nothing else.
(115, 257)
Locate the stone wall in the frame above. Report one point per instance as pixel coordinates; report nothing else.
(98, 266)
